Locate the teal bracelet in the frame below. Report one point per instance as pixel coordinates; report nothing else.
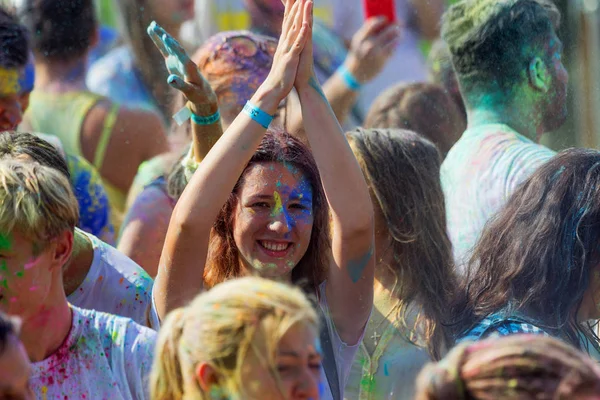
(211, 119)
(349, 79)
(258, 115)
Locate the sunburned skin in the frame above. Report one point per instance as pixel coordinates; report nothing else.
(298, 361)
(273, 218)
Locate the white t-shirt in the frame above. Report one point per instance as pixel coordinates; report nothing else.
(479, 174)
(343, 353)
(104, 357)
(407, 64)
(115, 284)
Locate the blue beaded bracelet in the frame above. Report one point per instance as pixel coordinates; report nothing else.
(211, 119)
(348, 78)
(258, 115)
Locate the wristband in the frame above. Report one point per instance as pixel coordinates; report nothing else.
(348, 78)
(211, 119)
(185, 113)
(258, 115)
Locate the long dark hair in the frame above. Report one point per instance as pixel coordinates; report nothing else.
(403, 173)
(536, 256)
(135, 16)
(223, 257)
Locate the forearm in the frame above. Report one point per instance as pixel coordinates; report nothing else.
(204, 137)
(333, 154)
(341, 99)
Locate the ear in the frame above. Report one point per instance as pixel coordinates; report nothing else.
(207, 377)
(62, 249)
(539, 76)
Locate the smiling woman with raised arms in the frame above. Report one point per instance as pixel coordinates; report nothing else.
(257, 203)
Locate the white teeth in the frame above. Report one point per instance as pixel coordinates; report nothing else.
(274, 246)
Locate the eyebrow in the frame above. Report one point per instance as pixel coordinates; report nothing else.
(262, 196)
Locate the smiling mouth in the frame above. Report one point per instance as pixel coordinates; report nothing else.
(275, 249)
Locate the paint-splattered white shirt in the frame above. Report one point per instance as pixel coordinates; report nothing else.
(104, 357)
(479, 174)
(115, 284)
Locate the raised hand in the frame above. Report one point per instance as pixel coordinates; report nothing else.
(295, 33)
(371, 47)
(306, 69)
(184, 73)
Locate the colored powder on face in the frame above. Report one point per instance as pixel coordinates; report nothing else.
(5, 242)
(9, 82)
(19, 274)
(278, 209)
(27, 78)
(30, 264)
(3, 267)
(4, 284)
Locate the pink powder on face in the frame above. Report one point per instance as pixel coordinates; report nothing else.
(33, 288)
(31, 263)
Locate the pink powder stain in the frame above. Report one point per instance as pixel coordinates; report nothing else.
(13, 299)
(31, 263)
(33, 288)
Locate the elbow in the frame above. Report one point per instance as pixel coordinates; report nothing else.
(360, 227)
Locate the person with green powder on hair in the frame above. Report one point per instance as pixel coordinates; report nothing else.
(507, 58)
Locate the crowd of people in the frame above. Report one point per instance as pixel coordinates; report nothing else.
(293, 207)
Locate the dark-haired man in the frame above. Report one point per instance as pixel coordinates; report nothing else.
(14, 53)
(507, 58)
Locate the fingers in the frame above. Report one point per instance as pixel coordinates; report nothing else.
(290, 14)
(305, 33)
(174, 48)
(388, 37)
(177, 83)
(156, 33)
(371, 27)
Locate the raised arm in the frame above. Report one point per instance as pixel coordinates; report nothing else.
(369, 51)
(184, 254)
(350, 280)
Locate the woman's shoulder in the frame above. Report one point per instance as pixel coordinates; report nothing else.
(501, 325)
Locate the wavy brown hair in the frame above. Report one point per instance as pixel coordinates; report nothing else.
(525, 367)
(223, 257)
(135, 16)
(402, 170)
(536, 257)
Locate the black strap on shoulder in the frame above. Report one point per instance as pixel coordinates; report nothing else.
(329, 364)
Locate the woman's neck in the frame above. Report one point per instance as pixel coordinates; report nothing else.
(61, 77)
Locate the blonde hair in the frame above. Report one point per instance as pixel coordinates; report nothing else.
(36, 200)
(219, 327)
